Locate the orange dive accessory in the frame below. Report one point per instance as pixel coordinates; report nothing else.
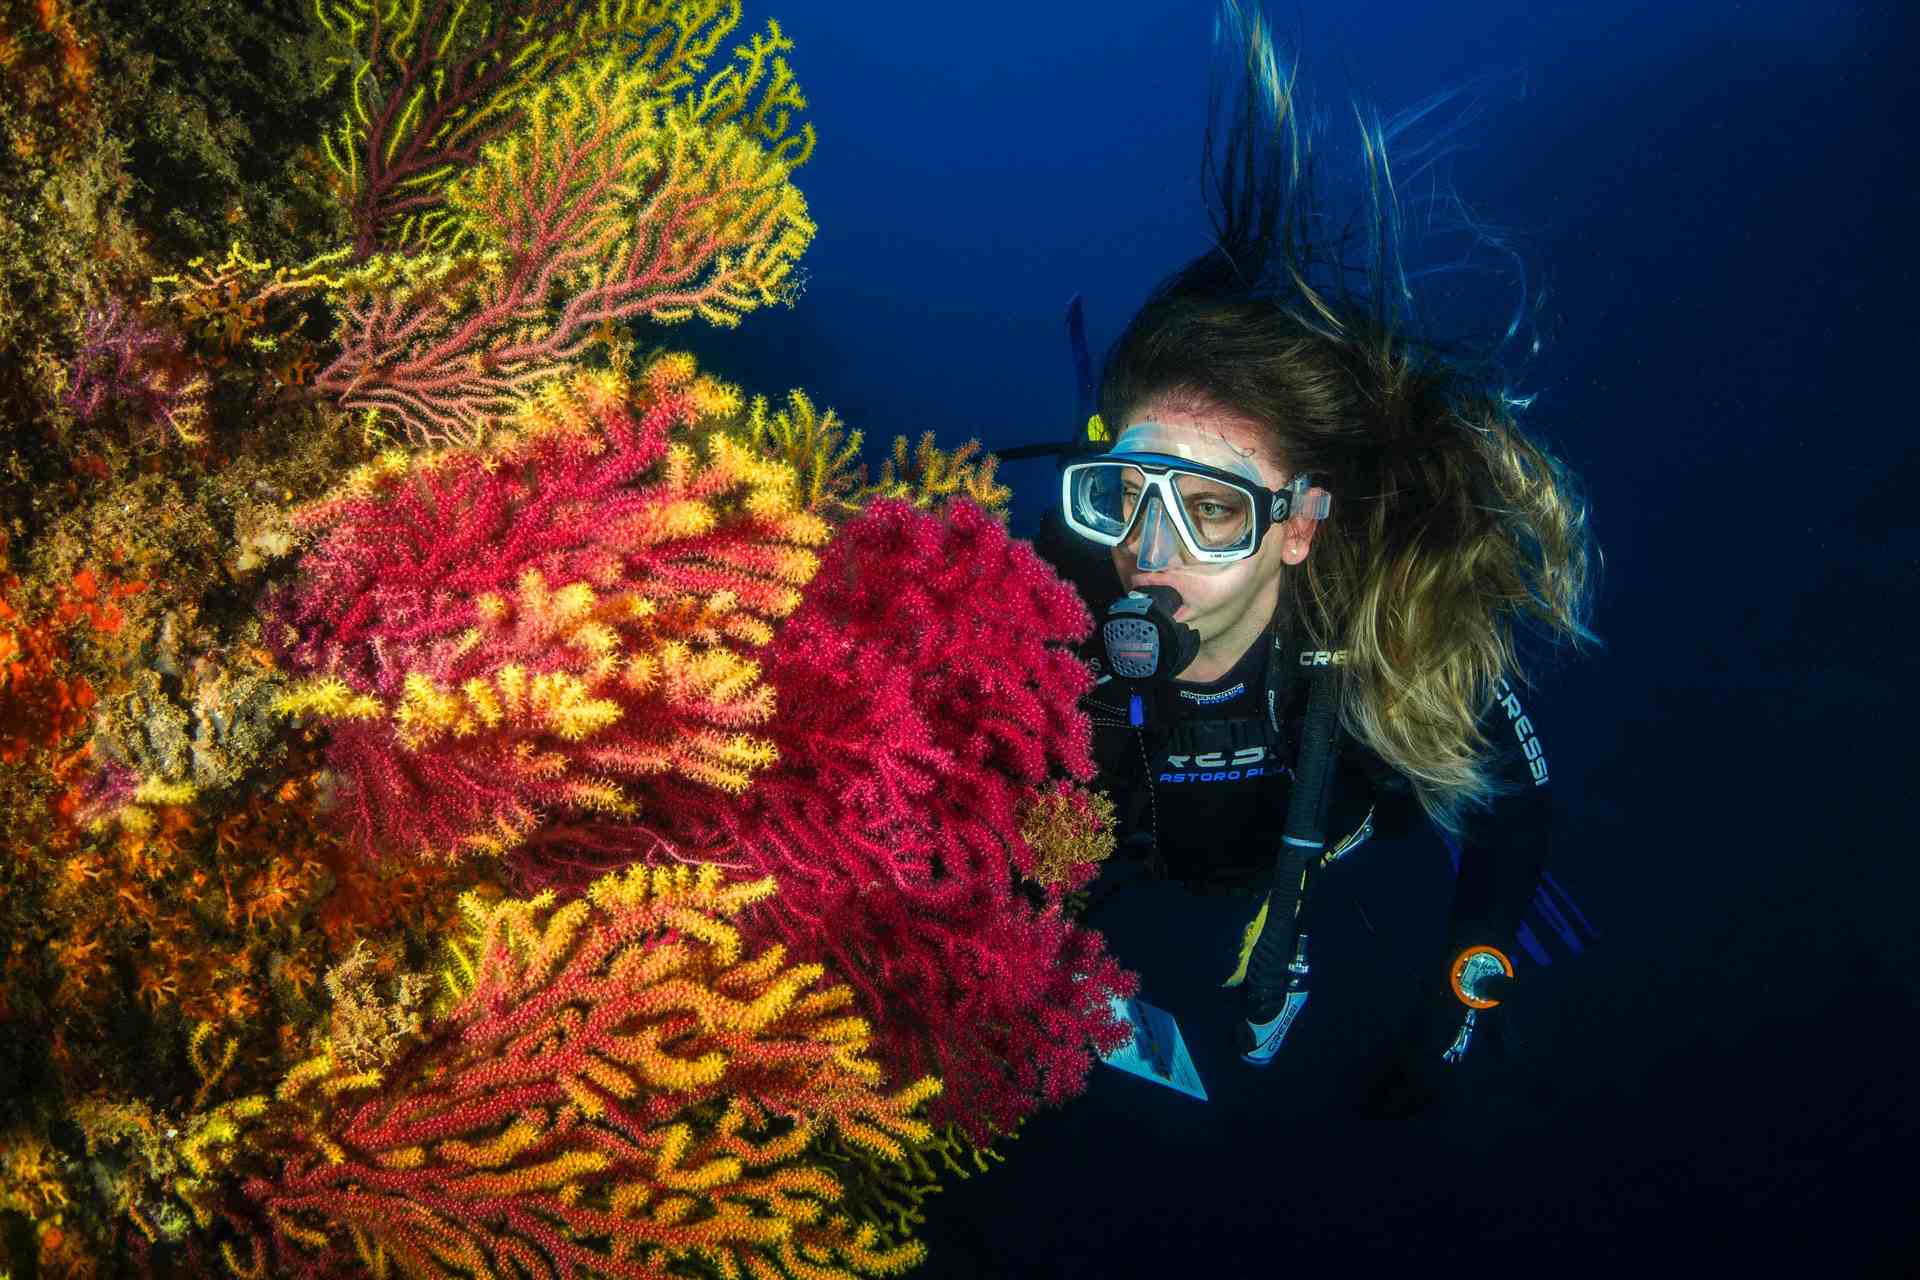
(1474, 965)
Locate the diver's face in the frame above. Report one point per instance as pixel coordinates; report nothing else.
(1227, 604)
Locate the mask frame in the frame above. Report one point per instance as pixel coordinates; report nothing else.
(1159, 493)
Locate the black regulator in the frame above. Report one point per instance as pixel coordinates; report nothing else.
(1143, 642)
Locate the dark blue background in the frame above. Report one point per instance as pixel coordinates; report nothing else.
(1722, 199)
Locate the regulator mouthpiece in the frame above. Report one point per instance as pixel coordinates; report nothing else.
(1142, 640)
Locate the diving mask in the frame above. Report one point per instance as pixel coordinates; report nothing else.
(1174, 484)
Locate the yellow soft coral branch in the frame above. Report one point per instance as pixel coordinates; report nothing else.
(521, 1135)
(551, 702)
(331, 698)
(933, 475)
(550, 1174)
(730, 96)
(816, 445)
(671, 42)
(715, 180)
(738, 1183)
(826, 457)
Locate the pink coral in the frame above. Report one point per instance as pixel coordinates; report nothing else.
(926, 696)
(128, 365)
(527, 637)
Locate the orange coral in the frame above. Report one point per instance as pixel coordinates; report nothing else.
(84, 970)
(30, 1181)
(222, 919)
(42, 703)
(619, 1070)
(51, 71)
(39, 705)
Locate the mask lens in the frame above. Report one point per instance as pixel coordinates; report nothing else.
(1105, 496)
(1220, 515)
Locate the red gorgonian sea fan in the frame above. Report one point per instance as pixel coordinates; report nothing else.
(622, 1085)
(510, 643)
(926, 703)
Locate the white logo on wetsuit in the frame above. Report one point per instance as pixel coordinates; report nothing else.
(1523, 730)
(1216, 766)
(1209, 699)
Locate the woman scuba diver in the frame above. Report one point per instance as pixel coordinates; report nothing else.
(1308, 533)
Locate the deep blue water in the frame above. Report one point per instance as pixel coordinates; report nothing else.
(1722, 198)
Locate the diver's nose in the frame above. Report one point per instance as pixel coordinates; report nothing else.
(1159, 543)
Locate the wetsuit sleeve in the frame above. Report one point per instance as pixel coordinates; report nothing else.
(1503, 850)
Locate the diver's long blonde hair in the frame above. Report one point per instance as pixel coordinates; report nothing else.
(1449, 524)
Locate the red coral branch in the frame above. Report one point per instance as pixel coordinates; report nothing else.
(926, 695)
(618, 1090)
(438, 93)
(446, 594)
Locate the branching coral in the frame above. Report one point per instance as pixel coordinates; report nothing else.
(932, 476)
(926, 712)
(816, 445)
(139, 372)
(432, 84)
(611, 196)
(521, 638)
(620, 1089)
(834, 483)
(570, 639)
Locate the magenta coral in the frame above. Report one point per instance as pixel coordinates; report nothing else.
(130, 366)
(926, 694)
(520, 638)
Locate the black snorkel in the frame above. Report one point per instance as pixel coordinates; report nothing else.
(1278, 971)
(1089, 436)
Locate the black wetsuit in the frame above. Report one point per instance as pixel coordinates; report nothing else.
(1203, 797)
(1201, 790)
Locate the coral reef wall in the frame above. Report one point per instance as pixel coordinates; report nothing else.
(483, 795)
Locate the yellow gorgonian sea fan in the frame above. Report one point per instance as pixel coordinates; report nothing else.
(833, 480)
(532, 637)
(608, 200)
(1067, 832)
(622, 1068)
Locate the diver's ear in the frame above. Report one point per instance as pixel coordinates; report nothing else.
(1296, 532)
